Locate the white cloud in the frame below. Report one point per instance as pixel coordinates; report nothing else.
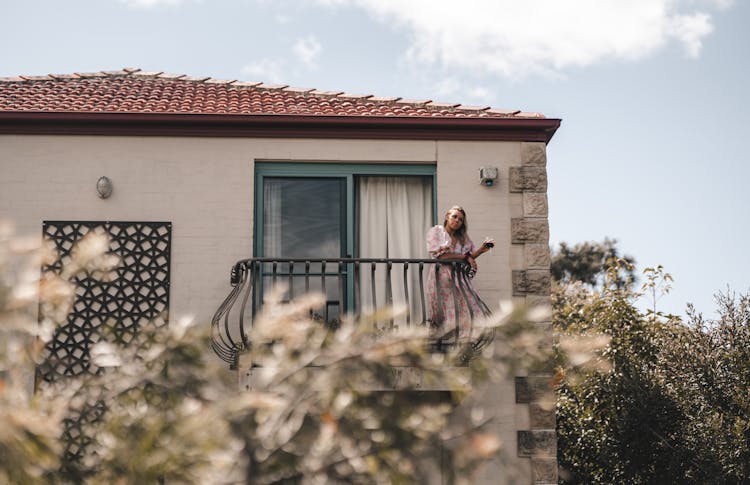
(150, 3)
(690, 30)
(307, 50)
(723, 4)
(279, 70)
(451, 86)
(266, 70)
(479, 92)
(515, 38)
(447, 86)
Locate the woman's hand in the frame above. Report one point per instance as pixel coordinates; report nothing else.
(487, 244)
(472, 262)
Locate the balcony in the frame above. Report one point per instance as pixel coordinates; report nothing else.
(355, 286)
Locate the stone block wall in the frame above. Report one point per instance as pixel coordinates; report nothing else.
(531, 283)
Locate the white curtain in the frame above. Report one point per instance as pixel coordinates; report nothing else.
(393, 215)
(272, 218)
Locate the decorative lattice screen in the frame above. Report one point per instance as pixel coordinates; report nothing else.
(115, 306)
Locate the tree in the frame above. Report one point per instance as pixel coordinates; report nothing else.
(663, 400)
(588, 262)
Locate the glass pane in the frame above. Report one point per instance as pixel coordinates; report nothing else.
(302, 217)
(332, 286)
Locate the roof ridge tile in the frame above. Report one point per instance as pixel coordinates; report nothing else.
(272, 86)
(91, 74)
(438, 104)
(119, 72)
(526, 114)
(246, 84)
(320, 92)
(508, 112)
(290, 89)
(468, 107)
(12, 79)
(64, 76)
(384, 99)
(147, 73)
(219, 81)
(170, 76)
(415, 102)
(194, 79)
(45, 77)
(354, 96)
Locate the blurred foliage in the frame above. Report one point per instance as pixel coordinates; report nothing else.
(320, 406)
(663, 400)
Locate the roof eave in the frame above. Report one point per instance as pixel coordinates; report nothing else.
(278, 126)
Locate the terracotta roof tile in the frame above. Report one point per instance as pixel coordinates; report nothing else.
(133, 91)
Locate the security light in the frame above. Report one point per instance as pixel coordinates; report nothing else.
(487, 176)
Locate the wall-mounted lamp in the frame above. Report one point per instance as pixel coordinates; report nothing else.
(104, 187)
(487, 176)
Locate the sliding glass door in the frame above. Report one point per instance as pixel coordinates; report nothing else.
(320, 211)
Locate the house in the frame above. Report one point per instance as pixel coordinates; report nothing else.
(191, 175)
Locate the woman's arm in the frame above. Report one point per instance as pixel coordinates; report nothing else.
(452, 256)
(487, 244)
(459, 257)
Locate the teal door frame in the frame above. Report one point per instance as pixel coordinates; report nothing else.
(346, 171)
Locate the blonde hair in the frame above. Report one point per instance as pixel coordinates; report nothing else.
(461, 232)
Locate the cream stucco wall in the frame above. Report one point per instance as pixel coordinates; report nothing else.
(204, 187)
(489, 209)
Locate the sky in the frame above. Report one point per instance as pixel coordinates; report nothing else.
(652, 94)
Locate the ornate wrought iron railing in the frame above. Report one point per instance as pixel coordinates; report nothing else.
(354, 286)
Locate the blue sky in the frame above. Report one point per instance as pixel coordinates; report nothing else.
(652, 93)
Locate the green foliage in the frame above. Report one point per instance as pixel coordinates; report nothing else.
(321, 406)
(667, 401)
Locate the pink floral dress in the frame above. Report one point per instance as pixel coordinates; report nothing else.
(447, 296)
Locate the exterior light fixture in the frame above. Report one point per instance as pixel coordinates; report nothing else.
(487, 176)
(104, 187)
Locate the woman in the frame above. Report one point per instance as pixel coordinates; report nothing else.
(452, 298)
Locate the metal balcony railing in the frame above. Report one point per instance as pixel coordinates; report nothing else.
(352, 286)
